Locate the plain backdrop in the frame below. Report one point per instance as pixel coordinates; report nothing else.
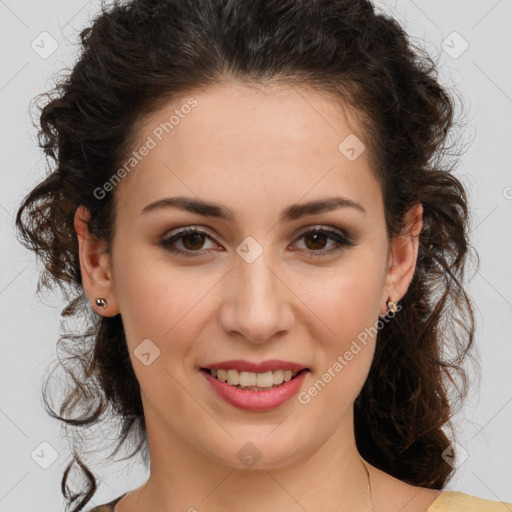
(474, 44)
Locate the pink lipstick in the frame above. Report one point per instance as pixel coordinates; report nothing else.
(255, 398)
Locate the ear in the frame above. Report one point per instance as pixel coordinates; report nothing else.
(402, 258)
(94, 266)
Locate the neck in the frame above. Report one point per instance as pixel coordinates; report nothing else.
(184, 478)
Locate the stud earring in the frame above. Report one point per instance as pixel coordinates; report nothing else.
(392, 305)
(101, 302)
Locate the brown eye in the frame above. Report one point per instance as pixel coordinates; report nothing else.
(196, 241)
(192, 241)
(316, 239)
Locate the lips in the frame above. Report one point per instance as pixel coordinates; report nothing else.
(261, 367)
(254, 399)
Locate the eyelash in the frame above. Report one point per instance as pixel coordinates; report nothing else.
(342, 241)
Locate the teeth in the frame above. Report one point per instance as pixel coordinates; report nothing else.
(250, 379)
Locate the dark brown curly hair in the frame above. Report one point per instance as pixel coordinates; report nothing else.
(137, 56)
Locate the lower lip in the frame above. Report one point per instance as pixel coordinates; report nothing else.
(256, 400)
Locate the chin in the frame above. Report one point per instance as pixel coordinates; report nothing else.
(260, 449)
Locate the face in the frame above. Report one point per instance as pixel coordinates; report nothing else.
(256, 286)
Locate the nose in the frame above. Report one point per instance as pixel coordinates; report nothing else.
(258, 301)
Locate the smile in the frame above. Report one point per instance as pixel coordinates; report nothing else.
(255, 391)
(251, 380)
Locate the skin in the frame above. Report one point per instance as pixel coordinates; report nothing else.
(255, 149)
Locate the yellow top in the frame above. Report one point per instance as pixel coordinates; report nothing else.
(447, 501)
(454, 501)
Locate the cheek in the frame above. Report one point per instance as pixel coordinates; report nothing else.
(347, 298)
(346, 303)
(161, 304)
(156, 300)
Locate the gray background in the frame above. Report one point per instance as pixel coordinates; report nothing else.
(30, 324)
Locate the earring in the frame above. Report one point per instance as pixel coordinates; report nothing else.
(101, 302)
(392, 305)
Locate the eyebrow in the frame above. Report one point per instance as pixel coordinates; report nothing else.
(291, 212)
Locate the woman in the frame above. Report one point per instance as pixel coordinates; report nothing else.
(252, 197)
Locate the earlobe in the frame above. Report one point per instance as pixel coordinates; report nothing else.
(94, 266)
(403, 256)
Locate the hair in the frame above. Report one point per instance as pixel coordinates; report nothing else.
(136, 57)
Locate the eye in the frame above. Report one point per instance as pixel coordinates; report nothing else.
(192, 240)
(319, 236)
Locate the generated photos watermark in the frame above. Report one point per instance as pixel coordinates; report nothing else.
(342, 361)
(150, 143)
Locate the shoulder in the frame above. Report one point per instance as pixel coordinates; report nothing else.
(454, 501)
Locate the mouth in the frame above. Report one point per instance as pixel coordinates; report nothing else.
(253, 381)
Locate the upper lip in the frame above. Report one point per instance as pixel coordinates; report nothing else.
(248, 366)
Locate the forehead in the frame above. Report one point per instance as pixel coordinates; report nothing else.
(235, 138)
